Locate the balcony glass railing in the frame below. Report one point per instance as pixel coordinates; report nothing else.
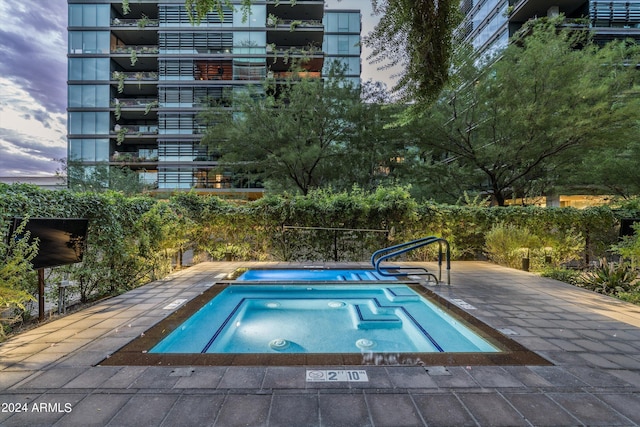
(143, 129)
(294, 50)
(128, 157)
(140, 23)
(292, 24)
(143, 49)
(134, 75)
(135, 102)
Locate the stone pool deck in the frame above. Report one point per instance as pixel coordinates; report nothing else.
(51, 373)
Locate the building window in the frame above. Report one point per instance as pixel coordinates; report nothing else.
(257, 17)
(89, 15)
(176, 16)
(192, 43)
(250, 42)
(176, 124)
(89, 69)
(91, 96)
(89, 150)
(214, 70)
(342, 22)
(88, 123)
(89, 42)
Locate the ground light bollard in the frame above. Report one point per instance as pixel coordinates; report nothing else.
(525, 260)
(62, 288)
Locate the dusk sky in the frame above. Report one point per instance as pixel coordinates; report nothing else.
(33, 75)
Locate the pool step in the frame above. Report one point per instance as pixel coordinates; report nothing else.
(363, 276)
(398, 295)
(367, 317)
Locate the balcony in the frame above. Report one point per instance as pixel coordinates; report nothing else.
(312, 57)
(143, 156)
(132, 131)
(145, 82)
(524, 10)
(135, 109)
(301, 10)
(294, 32)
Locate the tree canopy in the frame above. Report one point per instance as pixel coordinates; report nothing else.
(552, 93)
(285, 133)
(416, 35)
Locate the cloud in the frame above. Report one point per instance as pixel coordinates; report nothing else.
(33, 95)
(30, 136)
(33, 47)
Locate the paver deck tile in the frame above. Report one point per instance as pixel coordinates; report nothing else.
(592, 341)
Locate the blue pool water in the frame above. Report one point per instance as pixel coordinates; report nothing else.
(308, 274)
(310, 318)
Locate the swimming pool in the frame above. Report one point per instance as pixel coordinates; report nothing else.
(321, 319)
(311, 274)
(384, 327)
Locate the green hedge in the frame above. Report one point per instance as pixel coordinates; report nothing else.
(136, 239)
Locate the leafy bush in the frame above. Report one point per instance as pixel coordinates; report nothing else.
(16, 276)
(611, 278)
(632, 297)
(508, 244)
(562, 274)
(629, 246)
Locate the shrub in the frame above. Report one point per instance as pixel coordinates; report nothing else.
(16, 276)
(629, 246)
(632, 297)
(561, 247)
(508, 244)
(611, 278)
(562, 274)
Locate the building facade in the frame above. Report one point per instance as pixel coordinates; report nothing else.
(489, 24)
(341, 42)
(138, 79)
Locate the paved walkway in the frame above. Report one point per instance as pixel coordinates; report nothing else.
(49, 376)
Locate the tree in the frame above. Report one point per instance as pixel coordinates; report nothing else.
(417, 35)
(374, 150)
(414, 34)
(289, 134)
(552, 93)
(613, 169)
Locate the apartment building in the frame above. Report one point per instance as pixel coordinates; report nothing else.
(489, 23)
(139, 78)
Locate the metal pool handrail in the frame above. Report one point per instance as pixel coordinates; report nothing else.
(392, 251)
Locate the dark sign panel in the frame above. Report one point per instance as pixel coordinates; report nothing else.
(61, 240)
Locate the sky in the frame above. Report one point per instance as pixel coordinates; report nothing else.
(33, 76)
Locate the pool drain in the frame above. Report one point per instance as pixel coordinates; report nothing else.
(365, 343)
(273, 304)
(279, 344)
(336, 304)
